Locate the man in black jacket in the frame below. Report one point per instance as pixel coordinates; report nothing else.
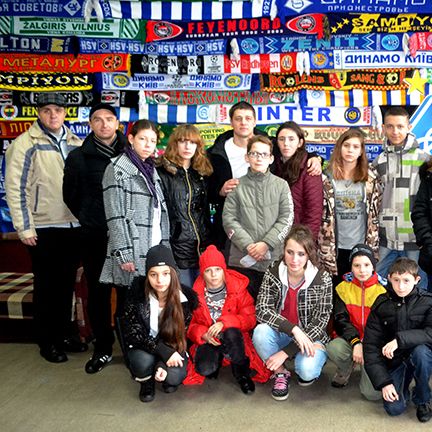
(398, 342)
(82, 193)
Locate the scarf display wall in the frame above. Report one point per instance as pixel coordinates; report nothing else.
(328, 65)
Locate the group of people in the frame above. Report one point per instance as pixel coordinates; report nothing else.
(255, 283)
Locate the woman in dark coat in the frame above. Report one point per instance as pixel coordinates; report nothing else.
(184, 169)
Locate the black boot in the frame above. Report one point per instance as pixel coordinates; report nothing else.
(147, 391)
(242, 374)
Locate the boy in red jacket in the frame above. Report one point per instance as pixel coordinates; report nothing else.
(220, 325)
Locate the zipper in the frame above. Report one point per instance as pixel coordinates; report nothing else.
(362, 308)
(190, 212)
(36, 199)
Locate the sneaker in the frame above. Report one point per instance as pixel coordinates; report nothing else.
(246, 384)
(73, 345)
(424, 412)
(169, 388)
(280, 390)
(97, 363)
(147, 390)
(304, 383)
(341, 378)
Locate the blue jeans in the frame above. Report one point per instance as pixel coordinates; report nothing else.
(188, 276)
(388, 256)
(268, 341)
(419, 367)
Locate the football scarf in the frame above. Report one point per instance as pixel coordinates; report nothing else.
(78, 98)
(119, 98)
(201, 47)
(37, 45)
(385, 79)
(287, 44)
(420, 41)
(11, 129)
(189, 65)
(13, 112)
(33, 26)
(121, 81)
(50, 9)
(82, 63)
(212, 98)
(181, 10)
(45, 82)
(164, 30)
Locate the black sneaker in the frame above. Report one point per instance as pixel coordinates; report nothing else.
(147, 391)
(424, 412)
(280, 390)
(52, 354)
(247, 386)
(72, 345)
(169, 388)
(97, 363)
(303, 383)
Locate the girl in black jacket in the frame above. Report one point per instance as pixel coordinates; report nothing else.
(153, 325)
(184, 169)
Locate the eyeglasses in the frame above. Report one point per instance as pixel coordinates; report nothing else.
(185, 141)
(256, 155)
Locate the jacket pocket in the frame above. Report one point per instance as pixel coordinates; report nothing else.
(36, 200)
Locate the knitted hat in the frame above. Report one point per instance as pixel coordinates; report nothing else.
(104, 106)
(51, 98)
(362, 250)
(211, 257)
(159, 255)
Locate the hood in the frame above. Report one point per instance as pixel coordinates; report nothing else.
(373, 280)
(410, 143)
(167, 165)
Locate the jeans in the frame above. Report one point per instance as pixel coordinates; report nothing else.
(142, 365)
(419, 367)
(268, 341)
(388, 256)
(188, 276)
(340, 352)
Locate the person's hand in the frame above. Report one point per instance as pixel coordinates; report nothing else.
(176, 360)
(30, 241)
(228, 187)
(128, 267)
(214, 330)
(211, 339)
(389, 393)
(305, 344)
(358, 354)
(160, 374)
(314, 166)
(389, 349)
(257, 250)
(275, 361)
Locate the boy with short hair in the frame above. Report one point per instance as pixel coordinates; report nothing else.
(257, 215)
(398, 341)
(353, 299)
(398, 165)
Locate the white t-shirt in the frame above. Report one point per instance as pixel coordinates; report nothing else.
(236, 156)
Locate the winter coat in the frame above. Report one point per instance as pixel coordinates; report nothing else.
(185, 193)
(399, 168)
(221, 173)
(260, 208)
(33, 181)
(307, 195)
(129, 208)
(421, 217)
(352, 303)
(238, 312)
(82, 183)
(134, 321)
(327, 237)
(314, 303)
(408, 320)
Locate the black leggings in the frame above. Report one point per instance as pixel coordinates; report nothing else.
(208, 358)
(142, 365)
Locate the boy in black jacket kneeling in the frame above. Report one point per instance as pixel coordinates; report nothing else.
(398, 342)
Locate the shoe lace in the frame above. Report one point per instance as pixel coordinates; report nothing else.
(281, 381)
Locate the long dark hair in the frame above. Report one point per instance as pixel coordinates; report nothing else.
(290, 169)
(304, 237)
(171, 322)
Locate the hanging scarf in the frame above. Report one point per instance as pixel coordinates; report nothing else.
(146, 168)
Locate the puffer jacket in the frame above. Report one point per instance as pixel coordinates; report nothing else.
(421, 217)
(327, 237)
(314, 303)
(408, 320)
(185, 193)
(399, 168)
(260, 208)
(34, 178)
(134, 321)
